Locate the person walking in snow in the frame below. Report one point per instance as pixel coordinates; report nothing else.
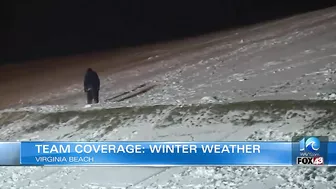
(91, 86)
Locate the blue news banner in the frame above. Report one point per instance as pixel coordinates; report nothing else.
(160, 153)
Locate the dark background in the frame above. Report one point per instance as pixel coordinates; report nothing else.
(41, 29)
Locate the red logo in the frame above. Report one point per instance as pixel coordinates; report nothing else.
(318, 161)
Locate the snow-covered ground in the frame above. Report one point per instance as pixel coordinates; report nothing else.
(294, 58)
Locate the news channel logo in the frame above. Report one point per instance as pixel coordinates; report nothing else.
(311, 144)
(309, 152)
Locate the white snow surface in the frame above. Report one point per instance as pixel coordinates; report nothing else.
(294, 58)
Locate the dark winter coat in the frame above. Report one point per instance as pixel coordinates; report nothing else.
(91, 80)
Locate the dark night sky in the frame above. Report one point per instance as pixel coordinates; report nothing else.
(40, 29)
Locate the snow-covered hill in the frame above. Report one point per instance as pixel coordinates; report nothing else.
(204, 94)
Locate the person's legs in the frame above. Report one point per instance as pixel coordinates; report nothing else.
(96, 96)
(89, 97)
